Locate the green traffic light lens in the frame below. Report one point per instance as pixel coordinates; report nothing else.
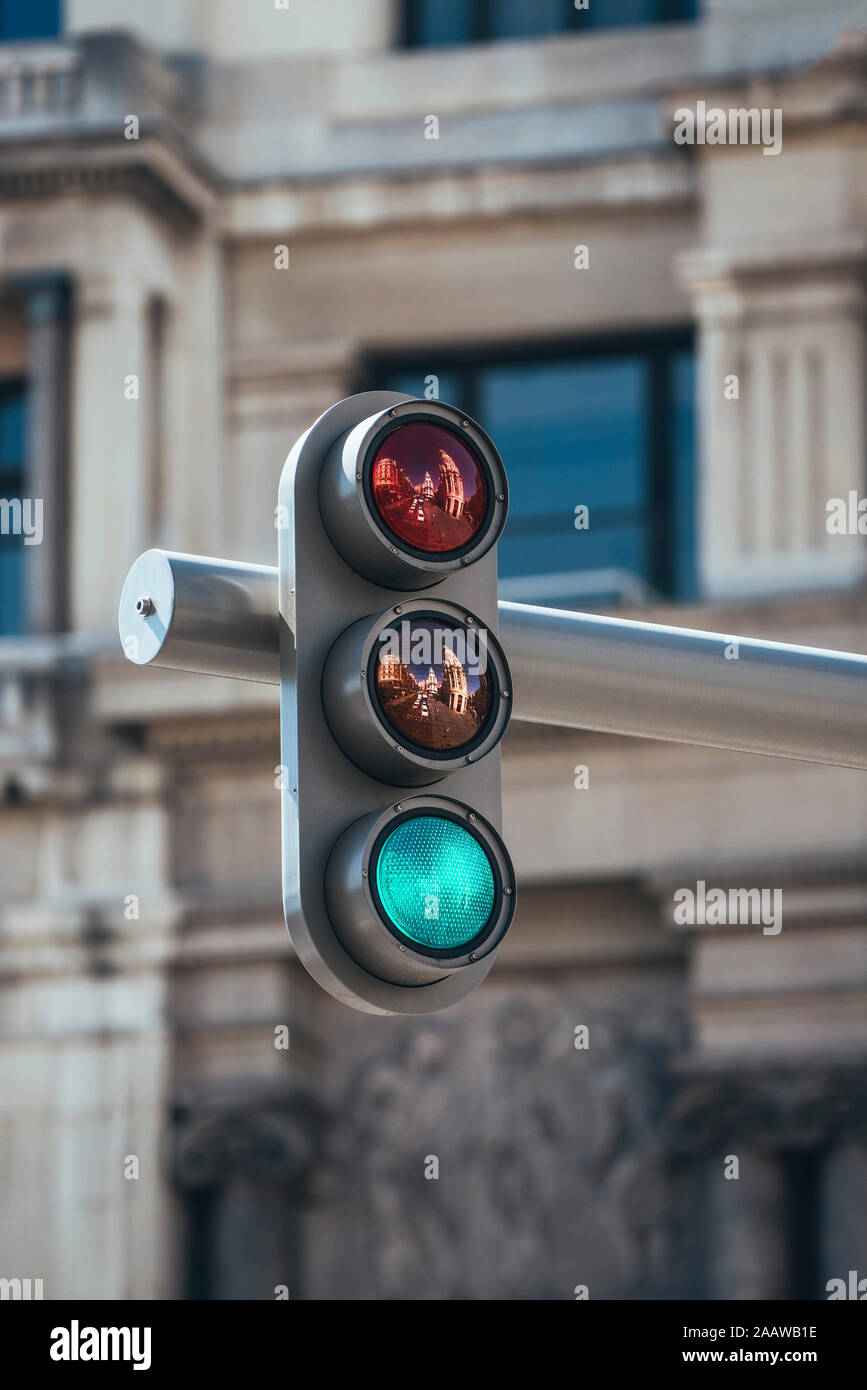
(435, 882)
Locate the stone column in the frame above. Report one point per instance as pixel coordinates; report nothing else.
(843, 1238)
(790, 432)
(271, 398)
(109, 443)
(748, 1258)
(47, 298)
(253, 1162)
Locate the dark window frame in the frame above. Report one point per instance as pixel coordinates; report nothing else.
(658, 347)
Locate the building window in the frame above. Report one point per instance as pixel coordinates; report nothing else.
(430, 22)
(12, 513)
(29, 19)
(607, 427)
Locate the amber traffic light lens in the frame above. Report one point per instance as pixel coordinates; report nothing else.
(432, 683)
(429, 488)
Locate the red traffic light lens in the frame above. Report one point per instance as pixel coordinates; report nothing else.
(428, 488)
(433, 684)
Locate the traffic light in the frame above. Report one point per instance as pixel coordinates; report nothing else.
(379, 624)
(394, 694)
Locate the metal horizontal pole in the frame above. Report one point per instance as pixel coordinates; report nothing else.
(195, 613)
(576, 670)
(686, 686)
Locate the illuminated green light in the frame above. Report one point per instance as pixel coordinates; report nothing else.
(435, 882)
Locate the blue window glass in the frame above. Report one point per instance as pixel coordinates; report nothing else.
(617, 14)
(11, 427)
(573, 435)
(12, 469)
(463, 21)
(441, 21)
(29, 19)
(513, 18)
(612, 14)
(610, 431)
(682, 406)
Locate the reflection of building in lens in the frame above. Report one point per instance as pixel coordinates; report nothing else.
(439, 705)
(450, 493)
(454, 687)
(390, 480)
(432, 497)
(394, 680)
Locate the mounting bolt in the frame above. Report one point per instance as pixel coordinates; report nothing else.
(501, 496)
(144, 607)
(393, 411)
(398, 609)
(399, 806)
(468, 619)
(505, 694)
(465, 424)
(465, 559)
(471, 815)
(471, 757)
(358, 477)
(508, 892)
(364, 873)
(394, 550)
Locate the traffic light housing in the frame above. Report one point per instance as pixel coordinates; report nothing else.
(397, 886)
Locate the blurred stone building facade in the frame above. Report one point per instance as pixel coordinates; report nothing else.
(166, 361)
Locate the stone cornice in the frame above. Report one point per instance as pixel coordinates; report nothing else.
(834, 89)
(102, 163)
(262, 1139)
(783, 257)
(375, 201)
(766, 1106)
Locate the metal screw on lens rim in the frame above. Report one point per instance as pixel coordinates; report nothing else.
(473, 956)
(358, 477)
(364, 873)
(471, 757)
(394, 550)
(505, 694)
(399, 806)
(401, 948)
(508, 892)
(398, 609)
(471, 815)
(465, 424)
(397, 748)
(393, 411)
(468, 619)
(144, 607)
(465, 560)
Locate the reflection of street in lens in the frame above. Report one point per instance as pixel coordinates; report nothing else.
(425, 720)
(441, 707)
(428, 488)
